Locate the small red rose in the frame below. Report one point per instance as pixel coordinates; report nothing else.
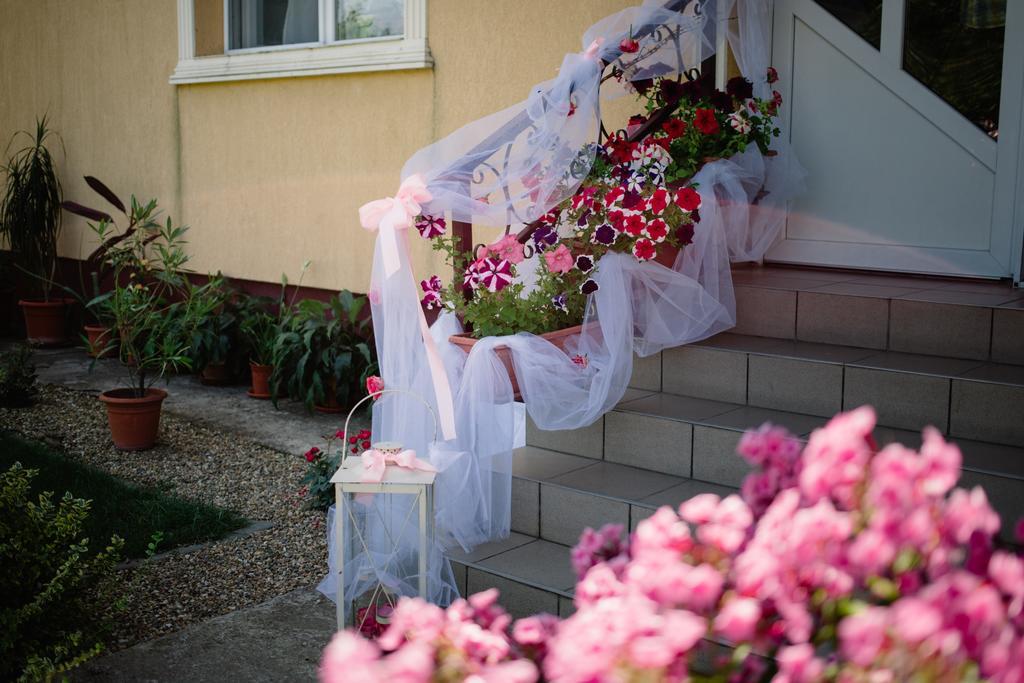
(365, 444)
(312, 454)
(629, 45)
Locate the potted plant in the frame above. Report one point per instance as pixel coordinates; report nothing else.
(113, 254)
(324, 353)
(155, 316)
(262, 320)
(214, 333)
(491, 302)
(30, 223)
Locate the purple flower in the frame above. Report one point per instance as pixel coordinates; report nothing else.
(585, 263)
(494, 274)
(544, 237)
(431, 285)
(559, 302)
(590, 286)
(605, 234)
(583, 218)
(431, 226)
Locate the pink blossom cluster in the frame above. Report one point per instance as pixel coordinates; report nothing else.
(777, 455)
(604, 545)
(865, 564)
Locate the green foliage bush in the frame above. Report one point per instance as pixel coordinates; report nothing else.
(17, 377)
(53, 592)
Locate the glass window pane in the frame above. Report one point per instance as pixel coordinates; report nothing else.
(956, 49)
(864, 17)
(261, 23)
(369, 18)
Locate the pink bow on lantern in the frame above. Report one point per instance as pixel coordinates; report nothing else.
(591, 51)
(394, 213)
(375, 462)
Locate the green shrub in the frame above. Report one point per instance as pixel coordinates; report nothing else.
(17, 377)
(53, 592)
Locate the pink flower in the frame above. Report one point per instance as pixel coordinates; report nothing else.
(966, 512)
(1007, 573)
(862, 635)
(349, 658)
(915, 620)
(374, 385)
(797, 664)
(559, 260)
(836, 457)
(941, 463)
(535, 630)
(509, 249)
(737, 620)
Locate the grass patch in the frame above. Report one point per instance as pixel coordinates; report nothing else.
(132, 512)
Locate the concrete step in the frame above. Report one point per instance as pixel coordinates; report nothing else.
(694, 439)
(912, 314)
(554, 497)
(970, 399)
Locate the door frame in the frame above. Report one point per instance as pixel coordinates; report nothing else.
(1003, 157)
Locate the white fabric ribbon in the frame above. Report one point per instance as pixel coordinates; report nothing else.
(387, 216)
(375, 463)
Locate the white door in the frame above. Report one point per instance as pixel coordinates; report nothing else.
(907, 174)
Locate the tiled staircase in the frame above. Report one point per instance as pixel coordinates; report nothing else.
(808, 344)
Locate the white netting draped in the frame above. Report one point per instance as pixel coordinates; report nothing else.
(510, 168)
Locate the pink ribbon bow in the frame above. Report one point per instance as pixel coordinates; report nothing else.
(375, 463)
(391, 214)
(592, 49)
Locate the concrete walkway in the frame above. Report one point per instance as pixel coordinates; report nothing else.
(279, 640)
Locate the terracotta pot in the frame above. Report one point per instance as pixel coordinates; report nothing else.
(46, 322)
(260, 380)
(134, 422)
(559, 338)
(100, 338)
(215, 374)
(332, 407)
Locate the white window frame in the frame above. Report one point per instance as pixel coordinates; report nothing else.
(386, 53)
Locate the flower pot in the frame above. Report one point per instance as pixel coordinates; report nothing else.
(666, 254)
(46, 322)
(99, 341)
(260, 380)
(559, 338)
(215, 374)
(134, 421)
(332, 407)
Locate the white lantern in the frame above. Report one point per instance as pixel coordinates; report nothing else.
(391, 486)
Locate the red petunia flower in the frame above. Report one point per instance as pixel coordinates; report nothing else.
(657, 230)
(365, 445)
(658, 201)
(687, 199)
(706, 122)
(634, 225)
(674, 128)
(773, 75)
(644, 250)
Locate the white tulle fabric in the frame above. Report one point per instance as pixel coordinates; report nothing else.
(523, 161)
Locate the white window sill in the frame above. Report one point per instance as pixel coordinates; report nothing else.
(375, 55)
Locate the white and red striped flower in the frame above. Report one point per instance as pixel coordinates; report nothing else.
(644, 250)
(494, 274)
(656, 230)
(739, 123)
(430, 227)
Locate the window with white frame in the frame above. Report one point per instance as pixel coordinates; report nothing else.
(222, 40)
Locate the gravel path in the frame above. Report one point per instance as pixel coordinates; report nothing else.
(198, 463)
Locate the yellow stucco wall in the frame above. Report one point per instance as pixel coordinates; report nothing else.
(268, 173)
